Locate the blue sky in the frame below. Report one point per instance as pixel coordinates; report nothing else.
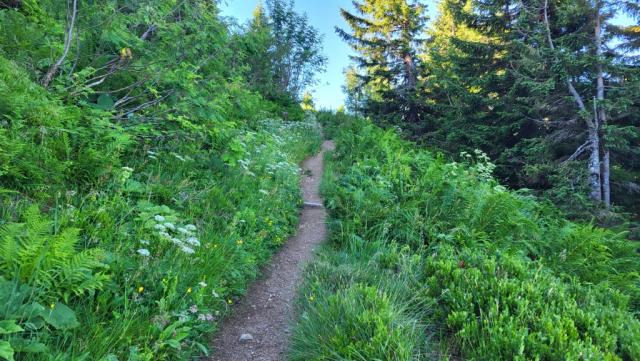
(324, 15)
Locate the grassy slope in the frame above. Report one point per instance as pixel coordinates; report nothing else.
(131, 244)
(430, 259)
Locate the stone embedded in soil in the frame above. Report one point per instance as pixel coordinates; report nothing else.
(246, 337)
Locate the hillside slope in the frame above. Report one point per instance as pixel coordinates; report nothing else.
(436, 260)
(143, 179)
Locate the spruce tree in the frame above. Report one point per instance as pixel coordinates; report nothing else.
(536, 84)
(386, 36)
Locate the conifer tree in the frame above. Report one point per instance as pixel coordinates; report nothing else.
(386, 35)
(536, 84)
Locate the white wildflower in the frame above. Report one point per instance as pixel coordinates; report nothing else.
(165, 235)
(176, 241)
(145, 242)
(190, 227)
(184, 230)
(160, 227)
(170, 226)
(215, 294)
(127, 169)
(159, 218)
(187, 250)
(203, 284)
(144, 252)
(193, 241)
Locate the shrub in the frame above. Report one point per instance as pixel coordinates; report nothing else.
(47, 147)
(23, 320)
(500, 306)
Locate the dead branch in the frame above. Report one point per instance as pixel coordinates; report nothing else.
(556, 123)
(144, 105)
(68, 38)
(152, 28)
(581, 149)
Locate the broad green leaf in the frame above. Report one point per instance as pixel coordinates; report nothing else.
(61, 317)
(25, 345)
(6, 351)
(173, 344)
(9, 326)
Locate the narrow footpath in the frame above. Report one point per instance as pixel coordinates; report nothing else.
(259, 328)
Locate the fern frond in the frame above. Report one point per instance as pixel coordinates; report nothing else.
(9, 247)
(50, 262)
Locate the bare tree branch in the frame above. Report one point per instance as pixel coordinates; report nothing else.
(556, 123)
(152, 28)
(68, 38)
(144, 105)
(581, 149)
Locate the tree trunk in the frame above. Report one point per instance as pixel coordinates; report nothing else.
(601, 112)
(595, 180)
(409, 91)
(594, 165)
(606, 179)
(410, 77)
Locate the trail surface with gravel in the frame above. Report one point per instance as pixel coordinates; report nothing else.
(259, 328)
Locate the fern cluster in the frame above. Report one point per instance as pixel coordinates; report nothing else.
(34, 254)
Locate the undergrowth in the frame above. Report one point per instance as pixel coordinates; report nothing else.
(145, 174)
(461, 267)
(131, 241)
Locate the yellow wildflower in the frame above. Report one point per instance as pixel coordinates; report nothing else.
(189, 290)
(140, 289)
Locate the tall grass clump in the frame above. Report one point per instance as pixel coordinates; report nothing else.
(486, 272)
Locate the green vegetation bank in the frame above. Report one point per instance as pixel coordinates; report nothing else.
(144, 177)
(430, 259)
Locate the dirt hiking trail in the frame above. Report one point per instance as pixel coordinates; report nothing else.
(259, 328)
